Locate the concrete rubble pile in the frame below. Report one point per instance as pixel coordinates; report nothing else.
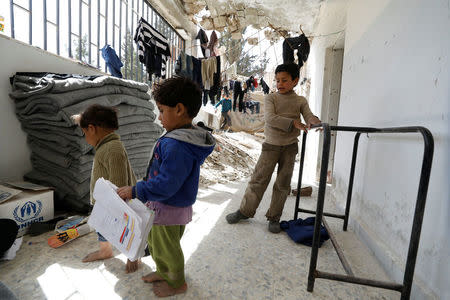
(60, 156)
(233, 158)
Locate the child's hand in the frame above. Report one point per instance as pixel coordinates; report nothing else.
(313, 121)
(299, 125)
(125, 192)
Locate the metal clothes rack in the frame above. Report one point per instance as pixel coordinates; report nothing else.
(405, 287)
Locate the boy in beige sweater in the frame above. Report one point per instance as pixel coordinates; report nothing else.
(98, 124)
(282, 127)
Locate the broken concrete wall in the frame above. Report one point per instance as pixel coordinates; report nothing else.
(396, 73)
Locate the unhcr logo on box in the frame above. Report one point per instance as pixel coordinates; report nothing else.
(28, 213)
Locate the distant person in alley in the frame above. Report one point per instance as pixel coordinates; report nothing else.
(226, 108)
(282, 127)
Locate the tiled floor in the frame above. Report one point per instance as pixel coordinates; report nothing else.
(241, 261)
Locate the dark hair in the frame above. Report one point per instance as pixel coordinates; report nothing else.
(182, 90)
(99, 115)
(290, 68)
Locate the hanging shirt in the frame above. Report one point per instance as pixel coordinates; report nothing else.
(112, 61)
(153, 48)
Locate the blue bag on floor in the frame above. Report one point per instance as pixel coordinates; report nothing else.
(302, 231)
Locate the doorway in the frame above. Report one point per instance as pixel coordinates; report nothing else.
(330, 103)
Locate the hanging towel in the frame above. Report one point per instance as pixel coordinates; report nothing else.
(112, 61)
(302, 231)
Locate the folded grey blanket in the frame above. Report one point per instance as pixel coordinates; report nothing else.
(54, 146)
(70, 152)
(67, 174)
(27, 86)
(77, 142)
(127, 114)
(47, 107)
(45, 178)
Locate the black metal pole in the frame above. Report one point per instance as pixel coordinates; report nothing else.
(419, 211)
(69, 25)
(45, 24)
(358, 280)
(350, 182)
(300, 175)
(80, 29)
(325, 213)
(58, 31)
(319, 208)
(90, 32)
(11, 12)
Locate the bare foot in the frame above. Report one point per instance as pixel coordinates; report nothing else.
(97, 255)
(132, 266)
(163, 289)
(104, 253)
(152, 277)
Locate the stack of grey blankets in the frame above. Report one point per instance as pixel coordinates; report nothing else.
(60, 156)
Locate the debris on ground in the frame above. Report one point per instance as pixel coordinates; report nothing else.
(233, 158)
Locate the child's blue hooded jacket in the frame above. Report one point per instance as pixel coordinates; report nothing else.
(174, 169)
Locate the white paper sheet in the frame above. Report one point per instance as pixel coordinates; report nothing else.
(124, 225)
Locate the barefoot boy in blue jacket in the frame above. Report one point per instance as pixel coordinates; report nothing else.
(171, 185)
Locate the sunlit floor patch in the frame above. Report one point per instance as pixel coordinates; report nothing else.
(61, 282)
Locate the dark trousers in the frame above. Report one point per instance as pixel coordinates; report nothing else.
(205, 97)
(226, 120)
(300, 43)
(237, 91)
(241, 102)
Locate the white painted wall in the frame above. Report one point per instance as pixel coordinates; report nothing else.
(19, 57)
(396, 73)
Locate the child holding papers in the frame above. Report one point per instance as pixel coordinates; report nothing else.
(98, 124)
(171, 185)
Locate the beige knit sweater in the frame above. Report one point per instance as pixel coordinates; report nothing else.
(111, 162)
(280, 110)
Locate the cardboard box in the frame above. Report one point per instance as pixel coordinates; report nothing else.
(30, 203)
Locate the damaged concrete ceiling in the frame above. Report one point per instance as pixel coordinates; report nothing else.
(282, 16)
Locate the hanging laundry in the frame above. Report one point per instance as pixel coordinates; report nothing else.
(112, 61)
(184, 65)
(213, 40)
(215, 88)
(238, 93)
(153, 48)
(197, 71)
(301, 44)
(201, 35)
(209, 67)
(255, 82)
(264, 85)
(249, 83)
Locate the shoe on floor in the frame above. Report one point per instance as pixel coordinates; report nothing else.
(235, 217)
(274, 227)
